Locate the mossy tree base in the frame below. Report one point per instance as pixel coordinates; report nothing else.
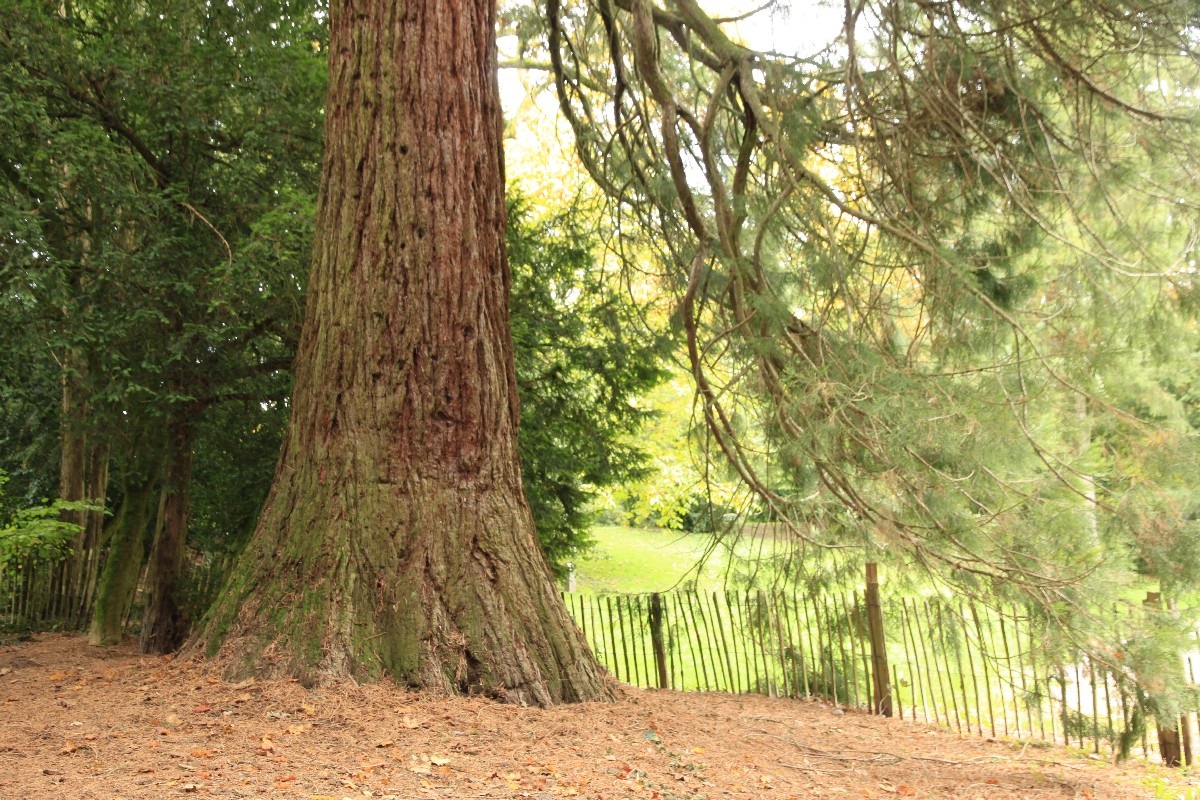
(430, 587)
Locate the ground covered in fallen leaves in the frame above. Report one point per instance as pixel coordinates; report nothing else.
(83, 722)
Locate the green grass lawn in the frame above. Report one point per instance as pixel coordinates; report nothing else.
(639, 560)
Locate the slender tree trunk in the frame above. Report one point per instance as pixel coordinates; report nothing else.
(126, 551)
(87, 554)
(163, 628)
(396, 538)
(83, 475)
(72, 474)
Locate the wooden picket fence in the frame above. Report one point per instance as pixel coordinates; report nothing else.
(37, 595)
(974, 669)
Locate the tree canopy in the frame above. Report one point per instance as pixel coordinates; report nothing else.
(581, 362)
(933, 278)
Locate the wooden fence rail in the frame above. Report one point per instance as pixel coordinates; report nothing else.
(36, 594)
(776, 643)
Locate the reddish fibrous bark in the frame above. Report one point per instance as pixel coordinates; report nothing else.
(396, 538)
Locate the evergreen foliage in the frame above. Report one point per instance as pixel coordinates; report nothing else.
(580, 364)
(933, 278)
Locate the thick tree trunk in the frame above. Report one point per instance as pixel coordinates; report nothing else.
(163, 628)
(396, 538)
(126, 549)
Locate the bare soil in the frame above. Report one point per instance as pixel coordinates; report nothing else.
(83, 722)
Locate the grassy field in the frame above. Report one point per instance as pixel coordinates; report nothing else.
(639, 560)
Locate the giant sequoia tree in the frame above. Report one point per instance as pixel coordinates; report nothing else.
(396, 538)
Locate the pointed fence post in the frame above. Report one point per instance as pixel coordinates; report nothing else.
(880, 676)
(656, 638)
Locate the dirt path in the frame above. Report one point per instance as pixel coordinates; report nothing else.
(82, 722)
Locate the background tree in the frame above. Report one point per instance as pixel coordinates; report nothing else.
(153, 163)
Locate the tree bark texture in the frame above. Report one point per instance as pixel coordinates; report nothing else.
(396, 538)
(163, 628)
(72, 477)
(73, 462)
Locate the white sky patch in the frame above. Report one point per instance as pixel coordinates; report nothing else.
(798, 28)
(512, 90)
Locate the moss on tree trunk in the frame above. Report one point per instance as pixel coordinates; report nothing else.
(396, 538)
(126, 551)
